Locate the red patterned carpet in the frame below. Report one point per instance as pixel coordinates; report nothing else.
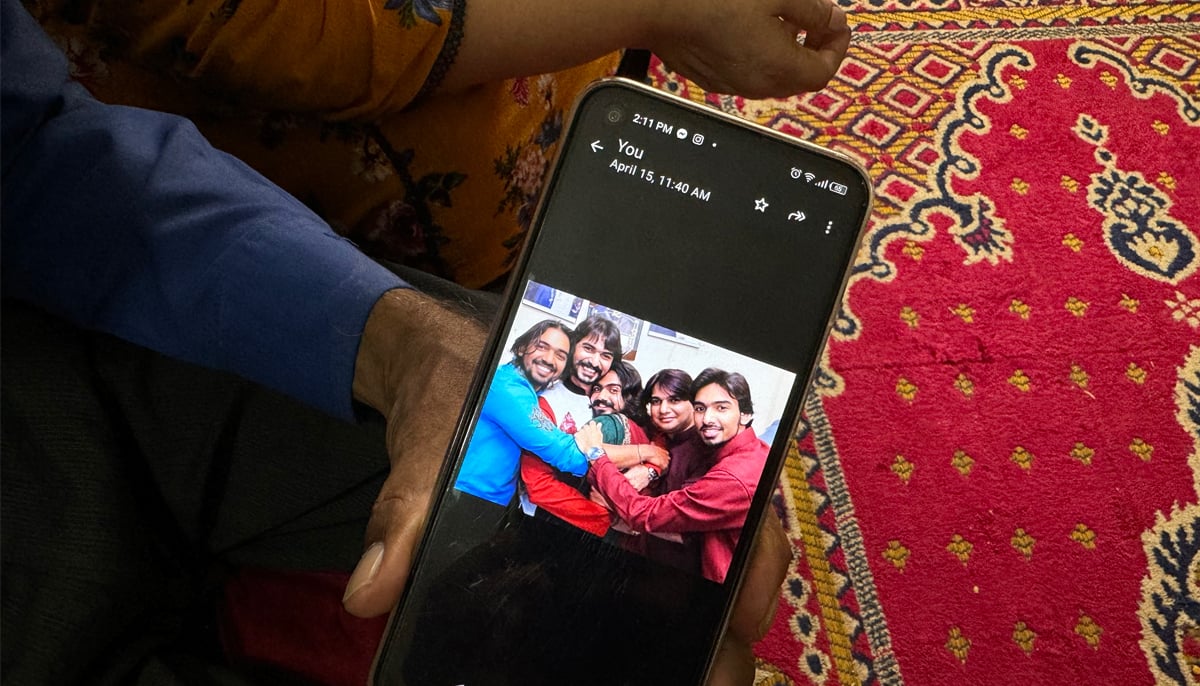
(998, 483)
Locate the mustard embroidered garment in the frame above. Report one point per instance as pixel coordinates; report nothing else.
(337, 103)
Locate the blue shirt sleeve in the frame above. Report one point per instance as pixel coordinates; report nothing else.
(513, 406)
(128, 221)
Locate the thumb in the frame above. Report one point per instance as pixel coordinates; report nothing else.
(379, 578)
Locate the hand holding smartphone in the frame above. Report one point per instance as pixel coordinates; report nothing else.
(623, 439)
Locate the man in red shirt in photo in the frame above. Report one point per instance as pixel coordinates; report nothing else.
(714, 505)
(556, 497)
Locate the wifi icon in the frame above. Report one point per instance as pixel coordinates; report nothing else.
(809, 176)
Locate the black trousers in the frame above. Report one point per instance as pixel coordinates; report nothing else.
(132, 483)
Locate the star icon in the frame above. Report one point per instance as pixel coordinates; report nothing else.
(761, 204)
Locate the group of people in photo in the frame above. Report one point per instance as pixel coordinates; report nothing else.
(568, 431)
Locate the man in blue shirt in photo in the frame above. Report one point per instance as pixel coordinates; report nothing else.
(512, 420)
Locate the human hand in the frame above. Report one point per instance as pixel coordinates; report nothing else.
(638, 477)
(414, 365)
(656, 456)
(754, 609)
(589, 436)
(750, 48)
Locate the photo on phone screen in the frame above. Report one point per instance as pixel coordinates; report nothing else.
(623, 437)
(681, 418)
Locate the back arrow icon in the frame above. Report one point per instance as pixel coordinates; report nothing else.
(596, 146)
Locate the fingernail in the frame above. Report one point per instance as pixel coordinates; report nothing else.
(364, 573)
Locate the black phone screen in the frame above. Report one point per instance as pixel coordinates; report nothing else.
(676, 291)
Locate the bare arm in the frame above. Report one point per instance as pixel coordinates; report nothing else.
(359, 60)
(746, 47)
(626, 456)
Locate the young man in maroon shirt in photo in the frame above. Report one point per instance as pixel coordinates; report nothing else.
(714, 505)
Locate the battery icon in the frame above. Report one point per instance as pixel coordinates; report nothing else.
(838, 188)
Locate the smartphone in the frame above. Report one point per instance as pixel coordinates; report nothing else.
(679, 279)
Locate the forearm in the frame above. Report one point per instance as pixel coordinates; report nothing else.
(227, 283)
(128, 221)
(747, 47)
(510, 38)
(717, 501)
(623, 456)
